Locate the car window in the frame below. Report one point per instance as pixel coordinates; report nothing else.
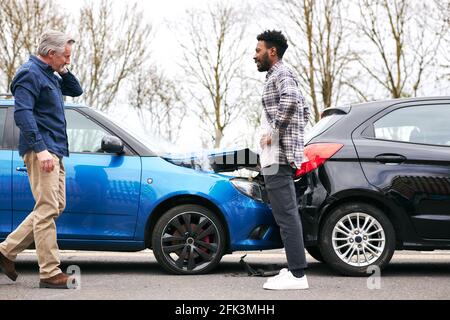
(84, 135)
(418, 124)
(321, 126)
(2, 124)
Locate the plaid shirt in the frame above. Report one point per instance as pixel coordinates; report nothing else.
(286, 112)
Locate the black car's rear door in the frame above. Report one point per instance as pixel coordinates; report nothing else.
(405, 152)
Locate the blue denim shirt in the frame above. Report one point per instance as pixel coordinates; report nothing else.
(39, 107)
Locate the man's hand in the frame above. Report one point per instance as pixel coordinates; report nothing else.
(46, 161)
(266, 141)
(63, 70)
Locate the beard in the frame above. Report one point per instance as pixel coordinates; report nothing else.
(264, 64)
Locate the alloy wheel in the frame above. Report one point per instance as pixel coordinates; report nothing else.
(190, 241)
(358, 239)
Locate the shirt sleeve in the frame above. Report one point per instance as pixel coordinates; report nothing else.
(288, 104)
(25, 89)
(70, 86)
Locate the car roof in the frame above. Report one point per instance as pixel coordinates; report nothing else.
(369, 104)
(10, 102)
(388, 102)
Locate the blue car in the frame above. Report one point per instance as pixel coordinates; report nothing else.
(124, 193)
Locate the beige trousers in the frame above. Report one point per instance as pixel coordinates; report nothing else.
(49, 192)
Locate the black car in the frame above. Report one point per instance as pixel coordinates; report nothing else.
(375, 179)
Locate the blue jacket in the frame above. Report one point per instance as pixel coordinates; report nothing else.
(39, 107)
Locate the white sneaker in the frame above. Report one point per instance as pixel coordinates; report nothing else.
(281, 273)
(287, 281)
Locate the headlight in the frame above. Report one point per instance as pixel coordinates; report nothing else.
(251, 189)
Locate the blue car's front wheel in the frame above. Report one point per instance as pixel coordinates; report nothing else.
(188, 239)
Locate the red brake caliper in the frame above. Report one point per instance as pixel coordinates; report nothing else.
(206, 239)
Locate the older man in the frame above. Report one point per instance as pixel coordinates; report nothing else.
(38, 89)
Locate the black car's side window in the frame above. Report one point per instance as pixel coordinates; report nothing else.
(84, 135)
(427, 124)
(2, 125)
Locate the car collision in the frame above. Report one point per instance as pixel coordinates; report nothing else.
(375, 179)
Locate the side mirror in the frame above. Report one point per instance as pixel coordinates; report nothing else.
(111, 144)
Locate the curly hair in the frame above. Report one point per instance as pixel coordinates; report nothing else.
(276, 39)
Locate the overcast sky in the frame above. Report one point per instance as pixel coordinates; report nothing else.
(166, 49)
(161, 14)
(166, 53)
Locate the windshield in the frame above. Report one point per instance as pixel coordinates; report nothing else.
(156, 144)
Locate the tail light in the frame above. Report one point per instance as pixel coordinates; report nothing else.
(316, 155)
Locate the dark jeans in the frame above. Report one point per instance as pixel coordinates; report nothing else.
(281, 192)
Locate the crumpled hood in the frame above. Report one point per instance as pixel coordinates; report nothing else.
(217, 160)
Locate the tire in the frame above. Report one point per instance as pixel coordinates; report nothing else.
(350, 239)
(315, 253)
(188, 240)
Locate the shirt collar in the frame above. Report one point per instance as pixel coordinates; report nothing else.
(45, 67)
(274, 67)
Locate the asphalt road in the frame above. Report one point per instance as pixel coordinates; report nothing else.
(137, 276)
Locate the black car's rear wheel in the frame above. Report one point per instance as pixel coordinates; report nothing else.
(356, 236)
(188, 239)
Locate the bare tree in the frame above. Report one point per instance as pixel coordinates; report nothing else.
(213, 62)
(405, 37)
(112, 47)
(252, 131)
(155, 95)
(21, 24)
(317, 33)
(444, 10)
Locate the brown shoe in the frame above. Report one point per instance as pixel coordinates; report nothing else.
(60, 281)
(8, 267)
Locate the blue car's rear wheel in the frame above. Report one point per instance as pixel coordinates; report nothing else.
(188, 239)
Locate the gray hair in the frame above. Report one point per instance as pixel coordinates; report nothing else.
(53, 40)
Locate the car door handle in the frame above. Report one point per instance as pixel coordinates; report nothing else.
(389, 158)
(21, 169)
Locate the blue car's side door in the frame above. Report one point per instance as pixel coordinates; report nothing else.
(102, 190)
(5, 177)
